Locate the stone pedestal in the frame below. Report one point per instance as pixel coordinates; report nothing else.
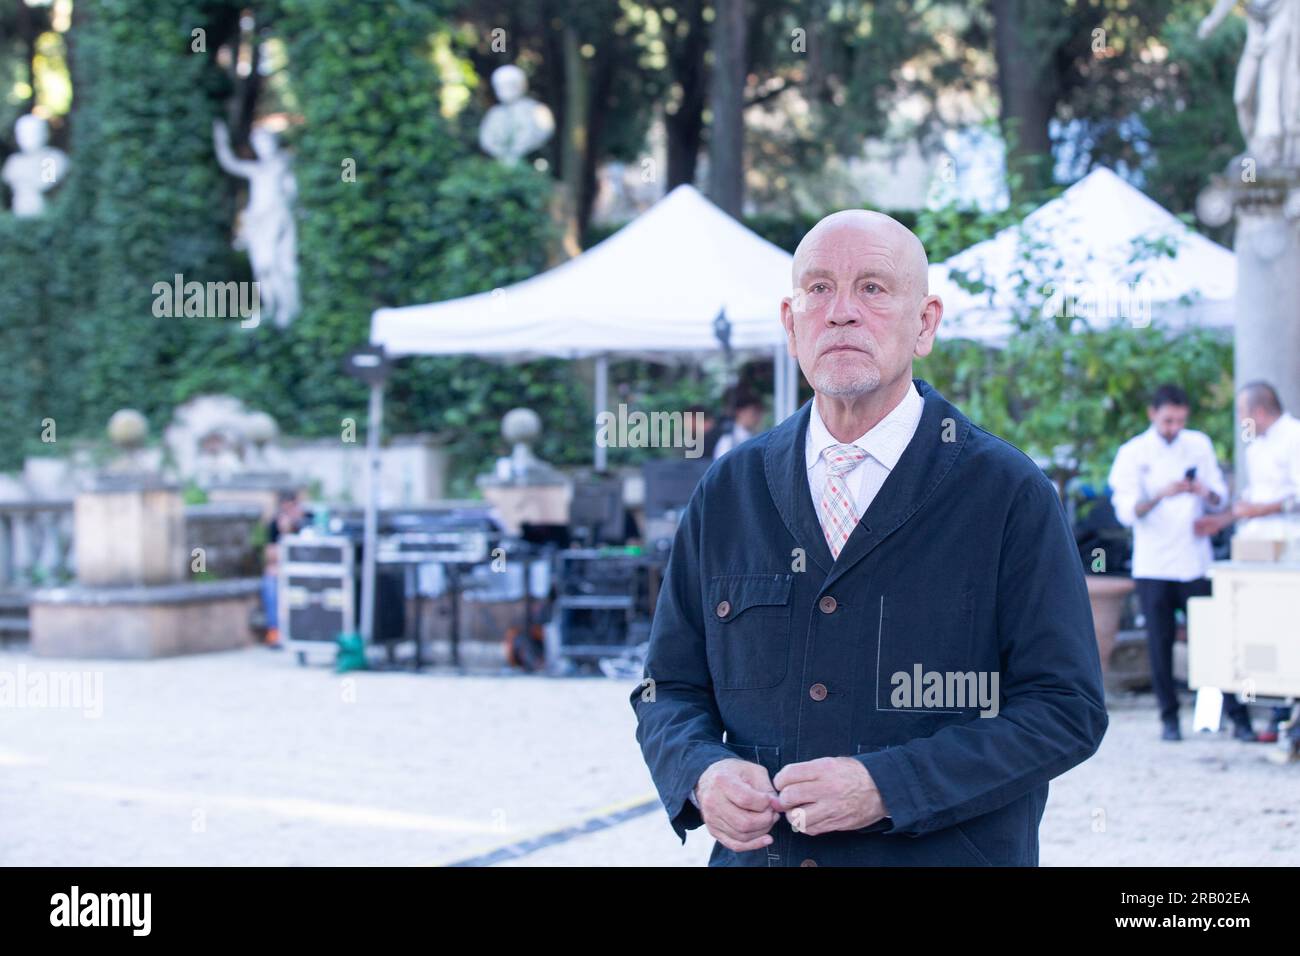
(1268, 290)
(259, 489)
(143, 622)
(534, 504)
(129, 531)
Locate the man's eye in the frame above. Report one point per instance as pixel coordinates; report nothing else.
(871, 287)
(817, 287)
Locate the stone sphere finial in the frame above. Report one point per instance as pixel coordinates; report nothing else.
(128, 428)
(521, 425)
(260, 428)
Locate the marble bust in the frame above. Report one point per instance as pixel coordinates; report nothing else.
(518, 124)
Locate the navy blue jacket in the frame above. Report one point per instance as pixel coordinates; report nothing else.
(963, 563)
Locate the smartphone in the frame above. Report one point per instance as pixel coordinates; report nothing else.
(1190, 474)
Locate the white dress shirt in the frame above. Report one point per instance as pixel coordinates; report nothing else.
(883, 444)
(1164, 545)
(1273, 474)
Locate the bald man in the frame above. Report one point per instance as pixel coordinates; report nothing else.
(873, 645)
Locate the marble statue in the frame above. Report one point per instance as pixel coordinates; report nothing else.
(35, 168)
(1267, 89)
(267, 228)
(215, 436)
(518, 124)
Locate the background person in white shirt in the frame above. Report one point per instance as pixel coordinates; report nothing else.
(1270, 502)
(747, 411)
(1162, 482)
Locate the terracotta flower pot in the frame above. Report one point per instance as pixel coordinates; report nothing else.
(1107, 593)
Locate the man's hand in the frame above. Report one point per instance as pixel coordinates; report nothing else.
(827, 794)
(734, 797)
(1173, 488)
(1202, 491)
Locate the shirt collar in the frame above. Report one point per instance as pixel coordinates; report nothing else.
(1285, 420)
(885, 442)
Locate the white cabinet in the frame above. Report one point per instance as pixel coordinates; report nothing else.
(1245, 639)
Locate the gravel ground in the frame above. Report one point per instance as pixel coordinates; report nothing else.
(245, 758)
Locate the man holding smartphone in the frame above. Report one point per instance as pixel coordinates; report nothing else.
(1162, 482)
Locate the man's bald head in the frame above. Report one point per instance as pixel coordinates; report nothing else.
(860, 310)
(909, 253)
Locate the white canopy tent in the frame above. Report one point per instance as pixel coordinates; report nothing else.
(1091, 229)
(652, 290)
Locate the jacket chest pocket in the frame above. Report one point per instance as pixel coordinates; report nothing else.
(747, 630)
(933, 630)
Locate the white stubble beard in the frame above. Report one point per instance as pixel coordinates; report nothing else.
(847, 383)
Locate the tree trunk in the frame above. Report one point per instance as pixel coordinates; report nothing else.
(600, 79)
(573, 147)
(1027, 90)
(727, 131)
(685, 126)
(27, 31)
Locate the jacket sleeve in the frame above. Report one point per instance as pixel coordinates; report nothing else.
(1052, 714)
(678, 724)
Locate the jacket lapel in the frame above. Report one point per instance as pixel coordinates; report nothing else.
(923, 465)
(787, 482)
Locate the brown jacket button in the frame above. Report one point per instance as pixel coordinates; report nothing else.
(724, 608)
(808, 863)
(827, 604)
(817, 691)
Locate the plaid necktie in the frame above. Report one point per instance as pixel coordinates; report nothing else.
(838, 513)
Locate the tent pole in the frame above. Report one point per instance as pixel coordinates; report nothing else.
(600, 400)
(370, 543)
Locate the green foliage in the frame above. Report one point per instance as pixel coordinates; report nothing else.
(493, 229)
(76, 292)
(422, 221)
(493, 225)
(1190, 118)
(368, 92)
(192, 494)
(952, 228)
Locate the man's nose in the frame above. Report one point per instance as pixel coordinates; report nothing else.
(843, 311)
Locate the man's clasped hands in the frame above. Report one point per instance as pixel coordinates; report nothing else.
(740, 803)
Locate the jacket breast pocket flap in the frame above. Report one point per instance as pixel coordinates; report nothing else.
(747, 626)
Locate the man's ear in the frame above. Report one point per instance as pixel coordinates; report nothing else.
(931, 316)
(787, 322)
